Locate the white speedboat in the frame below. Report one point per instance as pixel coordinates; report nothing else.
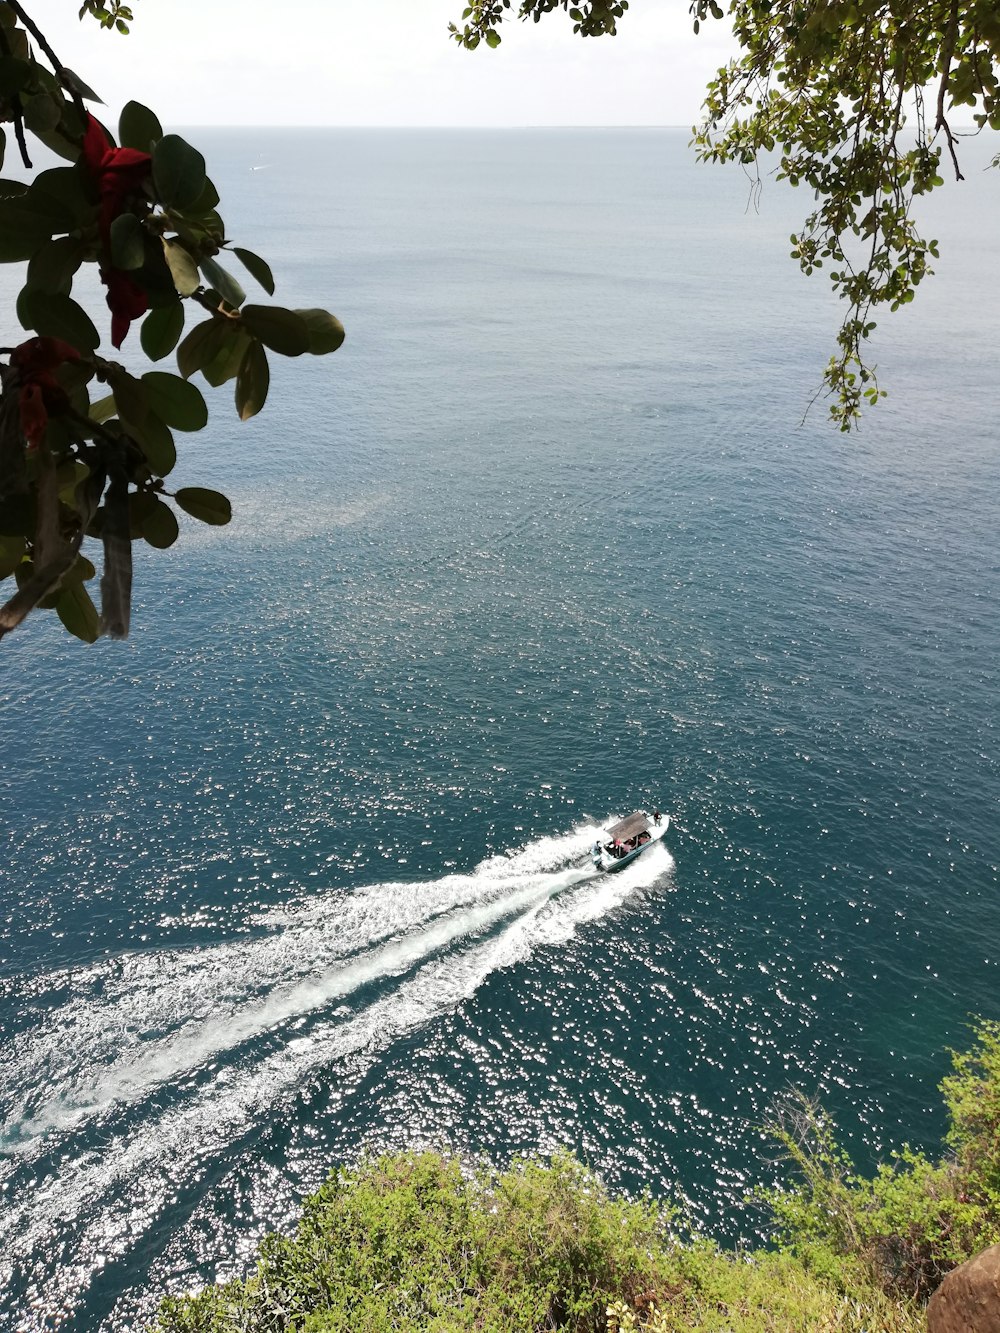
(623, 842)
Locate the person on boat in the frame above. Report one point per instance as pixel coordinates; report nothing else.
(656, 816)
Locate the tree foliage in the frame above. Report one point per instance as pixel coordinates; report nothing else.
(86, 445)
(828, 87)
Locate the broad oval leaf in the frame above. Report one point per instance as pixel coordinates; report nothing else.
(82, 569)
(282, 330)
(103, 409)
(128, 242)
(159, 526)
(252, 381)
(206, 203)
(11, 554)
(204, 505)
(201, 345)
(178, 402)
(62, 191)
(183, 269)
(25, 222)
(140, 504)
(157, 445)
(42, 112)
(178, 172)
(54, 264)
(326, 333)
(138, 127)
(77, 612)
(161, 329)
(226, 362)
(257, 268)
(55, 315)
(224, 283)
(131, 400)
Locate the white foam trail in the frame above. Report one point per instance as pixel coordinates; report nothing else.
(111, 1195)
(142, 1020)
(136, 1074)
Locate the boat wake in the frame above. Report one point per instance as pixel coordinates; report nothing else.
(130, 1074)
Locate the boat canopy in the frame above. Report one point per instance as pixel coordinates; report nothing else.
(630, 827)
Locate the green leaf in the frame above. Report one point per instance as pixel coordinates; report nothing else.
(207, 506)
(53, 265)
(128, 242)
(26, 222)
(57, 316)
(141, 420)
(326, 333)
(82, 569)
(138, 127)
(226, 285)
(157, 445)
(226, 362)
(206, 203)
(183, 269)
(63, 191)
(161, 329)
(15, 75)
(256, 267)
(282, 330)
(11, 554)
(77, 612)
(159, 526)
(493, 40)
(42, 113)
(84, 89)
(140, 504)
(131, 401)
(201, 345)
(60, 142)
(178, 172)
(252, 381)
(178, 402)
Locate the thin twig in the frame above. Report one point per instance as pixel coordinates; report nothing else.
(947, 54)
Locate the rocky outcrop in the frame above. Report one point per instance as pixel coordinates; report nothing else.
(968, 1300)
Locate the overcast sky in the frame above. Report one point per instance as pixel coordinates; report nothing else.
(386, 62)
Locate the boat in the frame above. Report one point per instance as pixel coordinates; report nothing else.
(623, 842)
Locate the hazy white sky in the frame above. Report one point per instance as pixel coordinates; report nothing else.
(386, 62)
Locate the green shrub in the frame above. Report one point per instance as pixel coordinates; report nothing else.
(764, 1293)
(915, 1220)
(406, 1242)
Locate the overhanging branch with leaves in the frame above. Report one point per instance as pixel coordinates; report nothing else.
(76, 464)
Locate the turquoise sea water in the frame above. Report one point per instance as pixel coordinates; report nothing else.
(301, 867)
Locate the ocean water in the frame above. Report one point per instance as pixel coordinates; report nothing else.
(300, 869)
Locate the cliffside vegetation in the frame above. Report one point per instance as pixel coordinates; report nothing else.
(412, 1242)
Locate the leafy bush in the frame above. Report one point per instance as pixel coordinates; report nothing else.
(915, 1220)
(764, 1293)
(406, 1242)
